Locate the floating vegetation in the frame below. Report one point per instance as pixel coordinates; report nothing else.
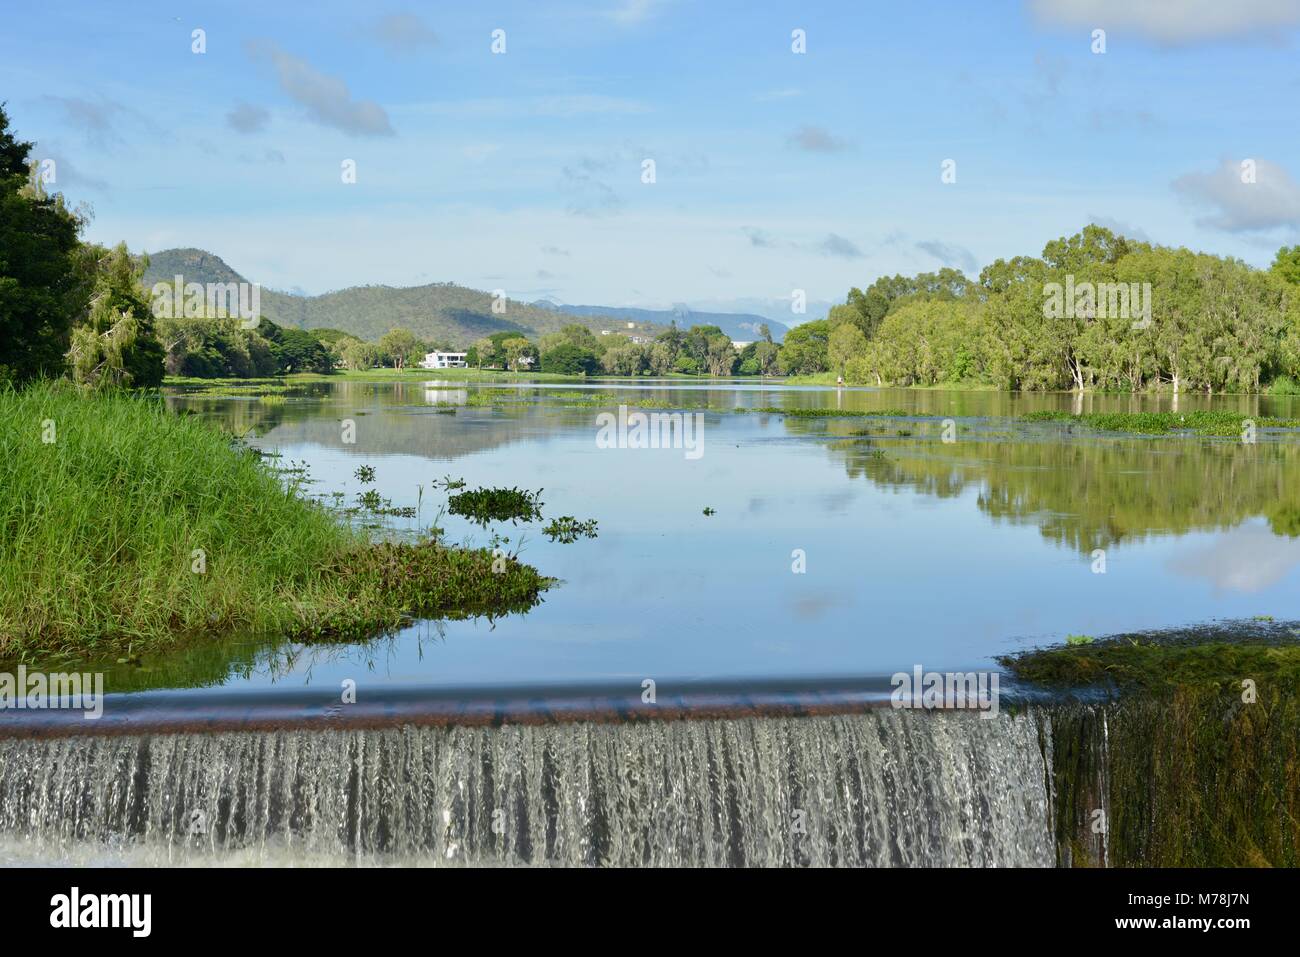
(483, 505)
(365, 474)
(488, 397)
(233, 388)
(819, 413)
(1079, 639)
(1163, 423)
(566, 529)
(709, 510)
(448, 483)
(662, 404)
(374, 503)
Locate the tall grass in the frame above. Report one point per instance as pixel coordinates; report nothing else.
(1284, 385)
(136, 527)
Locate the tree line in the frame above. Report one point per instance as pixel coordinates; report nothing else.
(1094, 312)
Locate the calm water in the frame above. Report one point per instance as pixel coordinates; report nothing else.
(917, 551)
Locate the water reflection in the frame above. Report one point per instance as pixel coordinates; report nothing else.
(917, 549)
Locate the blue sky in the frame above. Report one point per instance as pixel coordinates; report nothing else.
(774, 170)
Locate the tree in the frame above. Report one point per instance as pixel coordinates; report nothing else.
(296, 350)
(361, 355)
(116, 347)
(721, 355)
(804, 350)
(766, 354)
(518, 350)
(399, 346)
(846, 342)
(483, 350)
(624, 360)
(566, 358)
(1286, 264)
(44, 274)
(661, 356)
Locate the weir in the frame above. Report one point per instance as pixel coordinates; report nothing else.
(872, 787)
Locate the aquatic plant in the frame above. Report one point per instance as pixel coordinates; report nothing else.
(823, 413)
(566, 529)
(1200, 422)
(483, 505)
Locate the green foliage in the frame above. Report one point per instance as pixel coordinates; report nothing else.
(821, 412)
(295, 350)
(1215, 324)
(210, 348)
(1284, 385)
(43, 284)
(401, 347)
(567, 358)
(805, 349)
(484, 505)
(116, 346)
(1286, 264)
(566, 529)
(100, 531)
(1201, 422)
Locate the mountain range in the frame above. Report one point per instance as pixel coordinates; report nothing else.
(442, 312)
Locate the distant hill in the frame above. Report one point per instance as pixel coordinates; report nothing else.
(439, 311)
(742, 327)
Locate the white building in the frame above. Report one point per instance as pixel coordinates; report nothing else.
(443, 360)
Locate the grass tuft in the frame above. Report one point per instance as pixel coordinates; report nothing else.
(123, 525)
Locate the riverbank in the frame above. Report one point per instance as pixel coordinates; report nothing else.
(127, 528)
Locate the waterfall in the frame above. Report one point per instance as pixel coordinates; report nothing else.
(874, 788)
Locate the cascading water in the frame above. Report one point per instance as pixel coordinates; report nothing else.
(880, 788)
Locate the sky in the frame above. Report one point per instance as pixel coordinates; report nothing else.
(795, 146)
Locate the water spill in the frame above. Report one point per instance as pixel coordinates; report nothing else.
(883, 788)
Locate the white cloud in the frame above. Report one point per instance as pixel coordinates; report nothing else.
(403, 34)
(950, 254)
(816, 139)
(1272, 200)
(563, 105)
(635, 11)
(1174, 22)
(1247, 559)
(836, 245)
(326, 98)
(247, 118)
